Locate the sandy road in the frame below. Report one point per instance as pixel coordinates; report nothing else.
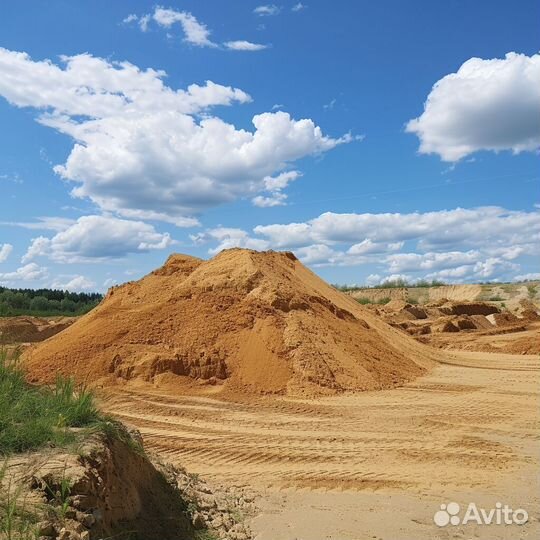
(370, 465)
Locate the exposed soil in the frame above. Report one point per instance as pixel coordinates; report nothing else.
(109, 488)
(369, 465)
(474, 326)
(27, 329)
(244, 321)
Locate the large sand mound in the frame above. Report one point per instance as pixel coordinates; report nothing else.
(252, 321)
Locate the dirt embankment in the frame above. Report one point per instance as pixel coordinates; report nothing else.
(111, 488)
(457, 293)
(244, 321)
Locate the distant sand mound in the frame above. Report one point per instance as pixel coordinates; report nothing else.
(257, 322)
(27, 329)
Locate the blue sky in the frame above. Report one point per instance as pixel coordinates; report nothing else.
(321, 132)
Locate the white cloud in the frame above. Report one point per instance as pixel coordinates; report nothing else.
(76, 283)
(416, 245)
(493, 267)
(196, 33)
(228, 238)
(435, 231)
(42, 223)
(331, 104)
(298, 7)
(373, 279)
(109, 282)
(94, 238)
(317, 254)
(367, 246)
(14, 178)
(274, 186)
(275, 199)
(28, 272)
(144, 21)
(396, 277)
(487, 105)
(533, 276)
(267, 10)
(242, 45)
(130, 18)
(5, 251)
(140, 150)
(400, 262)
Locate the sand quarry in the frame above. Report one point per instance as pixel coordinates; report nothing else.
(251, 371)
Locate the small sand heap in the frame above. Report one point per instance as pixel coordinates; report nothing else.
(27, 329)
(257, 322)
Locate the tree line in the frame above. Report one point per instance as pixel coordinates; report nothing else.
(44, 302)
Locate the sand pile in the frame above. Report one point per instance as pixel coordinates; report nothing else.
(31, 329)
(253, 321)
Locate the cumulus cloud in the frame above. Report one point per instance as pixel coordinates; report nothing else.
(318, 254)
(267, 10)
(416, 245)
(484, 226)
(430, 261)
(76, 283)
(486, 105)
(367, 246)
(5, 251)
(94, 238)
(274, 186)
(28, 272)
(143, 150)
(298, 7)
(228, 238)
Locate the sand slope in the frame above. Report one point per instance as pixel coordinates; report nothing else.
(246, 321)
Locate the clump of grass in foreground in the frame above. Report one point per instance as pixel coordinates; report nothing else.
(31, 417)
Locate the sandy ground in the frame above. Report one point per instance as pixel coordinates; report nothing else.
(373, 465)
(477, 340)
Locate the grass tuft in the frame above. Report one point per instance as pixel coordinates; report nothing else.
(32, 417)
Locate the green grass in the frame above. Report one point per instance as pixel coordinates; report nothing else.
(32, 417)
(496, 298)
